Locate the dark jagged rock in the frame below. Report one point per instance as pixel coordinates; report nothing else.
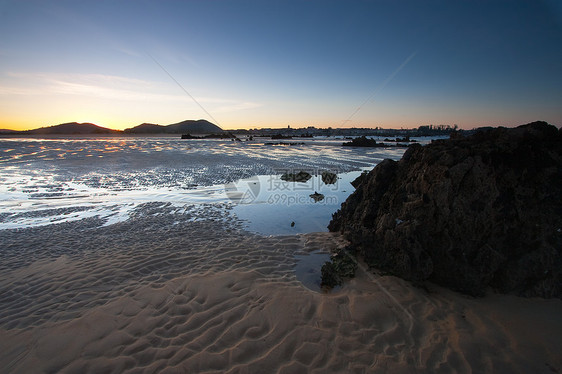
(467, 213)
(189, 136)
(341, 266)
(357, 181)
(317, 197)
(363, 141)
(280, 136)
(405, 139)
(329, 177)
(330, 276)
(301, 176)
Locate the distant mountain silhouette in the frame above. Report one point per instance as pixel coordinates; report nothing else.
(9, 132)
(189, 126)
(146, 128)
(72, 128)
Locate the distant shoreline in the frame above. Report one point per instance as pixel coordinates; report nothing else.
(61, 136)
(198, 127)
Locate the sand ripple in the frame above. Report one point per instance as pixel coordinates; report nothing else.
(167, 293)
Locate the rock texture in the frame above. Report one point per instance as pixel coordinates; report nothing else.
(363, 141)
(467, 213)
(301, 176)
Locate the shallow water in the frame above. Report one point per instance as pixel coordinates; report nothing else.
(309, 269)
(47, 181)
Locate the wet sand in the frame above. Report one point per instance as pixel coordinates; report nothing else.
(193, 293)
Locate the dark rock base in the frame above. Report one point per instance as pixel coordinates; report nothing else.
(467, 213)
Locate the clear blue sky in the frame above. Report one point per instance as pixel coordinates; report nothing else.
(276, 63)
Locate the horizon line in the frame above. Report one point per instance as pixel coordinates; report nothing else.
(280, 127)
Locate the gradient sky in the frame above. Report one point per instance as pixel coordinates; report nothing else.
(246, 64)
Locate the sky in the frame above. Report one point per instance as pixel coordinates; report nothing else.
(255, 64)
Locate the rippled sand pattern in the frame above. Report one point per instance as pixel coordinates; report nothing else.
(192, 293)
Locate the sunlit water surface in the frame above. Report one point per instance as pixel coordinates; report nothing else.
(48, 181)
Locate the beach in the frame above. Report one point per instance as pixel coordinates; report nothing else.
(106, 268)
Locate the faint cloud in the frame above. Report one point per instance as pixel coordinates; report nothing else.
(106, 87)
(97, 85)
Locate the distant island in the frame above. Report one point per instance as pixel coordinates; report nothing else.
(189, 126)
(71, 128)
(74, 128)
